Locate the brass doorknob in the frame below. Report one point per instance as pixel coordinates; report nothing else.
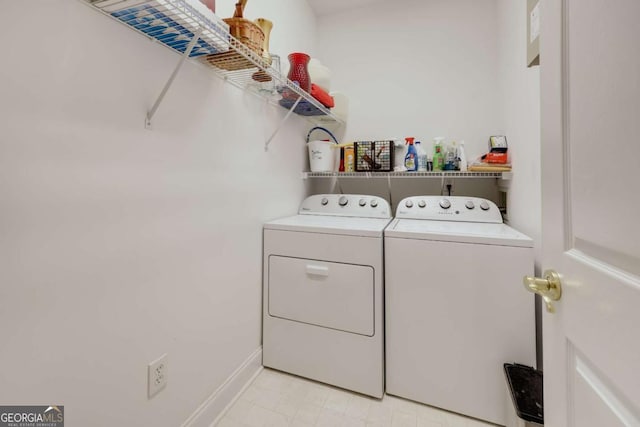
(549, 287)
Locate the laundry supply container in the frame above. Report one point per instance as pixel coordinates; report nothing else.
(524, 394)
(322, 154)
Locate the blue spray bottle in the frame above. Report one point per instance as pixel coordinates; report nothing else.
(411, 159)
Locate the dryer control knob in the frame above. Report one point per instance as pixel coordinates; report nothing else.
(408, 204)
(374, 203)
(342, 201)
(469, 205)
(445, 204)
(362, 202)
(324, 201)
(422, 203)
(484, 205)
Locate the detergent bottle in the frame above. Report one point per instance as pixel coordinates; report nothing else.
(438, 157)
(411, 159)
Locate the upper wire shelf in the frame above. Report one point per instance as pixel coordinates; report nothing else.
(175, 24)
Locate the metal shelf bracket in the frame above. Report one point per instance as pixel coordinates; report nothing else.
(284, 119)
(185, 55)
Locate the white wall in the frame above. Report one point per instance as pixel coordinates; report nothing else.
(118, 243)
(440, 67)
(520, 101)
(422, 68)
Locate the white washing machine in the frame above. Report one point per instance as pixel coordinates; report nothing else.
(323, 292)
(455, 307)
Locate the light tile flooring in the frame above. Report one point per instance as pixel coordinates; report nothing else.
(279, 400)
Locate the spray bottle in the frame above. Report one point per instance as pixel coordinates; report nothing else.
(411, 159)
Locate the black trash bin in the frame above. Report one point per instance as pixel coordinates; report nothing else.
(525, 387)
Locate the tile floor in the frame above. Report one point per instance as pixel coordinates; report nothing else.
(279, 400)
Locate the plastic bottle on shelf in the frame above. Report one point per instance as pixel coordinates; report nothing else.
(438, 157)
(450, 157)
(462, 158)
(349, 165)
(340, 106)
(399, 151)
(411, 159)
(422, 157)
(320, 74)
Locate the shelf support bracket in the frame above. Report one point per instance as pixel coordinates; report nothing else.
(284, 119)
(166, 87)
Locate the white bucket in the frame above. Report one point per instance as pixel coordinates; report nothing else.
(321, 156)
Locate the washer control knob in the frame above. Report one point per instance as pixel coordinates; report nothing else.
(422, 203)
(362, 202)
(374, 203)
(408, 204)
(342, 201)
(469, 205)
(445, 204)
(484, 205)
(324, 201)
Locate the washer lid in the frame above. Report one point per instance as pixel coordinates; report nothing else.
(464, 232)
(366, 227)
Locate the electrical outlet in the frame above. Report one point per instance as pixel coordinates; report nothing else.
(157, 375)
(447, 187)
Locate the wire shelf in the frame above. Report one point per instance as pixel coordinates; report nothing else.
(438, 174)
(174, 23)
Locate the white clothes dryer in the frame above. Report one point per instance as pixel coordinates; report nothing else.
(456, 310)
(323, 292)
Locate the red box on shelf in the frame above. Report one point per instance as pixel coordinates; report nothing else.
(496, 158)
(318, 93)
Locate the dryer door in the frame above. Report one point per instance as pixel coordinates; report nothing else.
(327, 294)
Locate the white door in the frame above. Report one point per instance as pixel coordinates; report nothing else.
(590, 100)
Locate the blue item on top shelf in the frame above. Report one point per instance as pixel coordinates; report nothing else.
(304, 107)
(151, 21)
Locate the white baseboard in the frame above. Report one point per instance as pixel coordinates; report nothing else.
(216, 405)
